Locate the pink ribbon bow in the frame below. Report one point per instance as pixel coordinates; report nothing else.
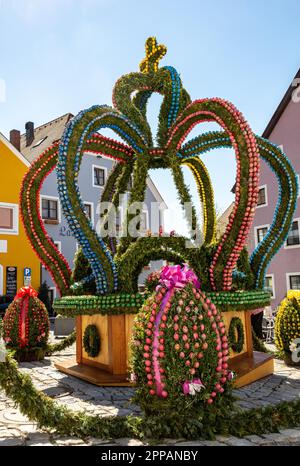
(175, 276)
(192, 387)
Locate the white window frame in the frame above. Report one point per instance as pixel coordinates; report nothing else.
(271, 275)
(50, 198)
(294, 246)
(57, 244)
(265, 187)
(255, 232)
(92, 209)
(93, 177)
(1, 279)
(15, 229)
(288, 275)
(298, 177)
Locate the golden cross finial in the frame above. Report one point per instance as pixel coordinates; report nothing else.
(154, 53)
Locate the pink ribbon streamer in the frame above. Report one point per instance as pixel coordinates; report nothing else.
(24, 294)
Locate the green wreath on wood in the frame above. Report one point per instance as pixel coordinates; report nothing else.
(236, 342)
(91, 341)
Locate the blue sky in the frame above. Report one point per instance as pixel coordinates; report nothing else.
(61, 56)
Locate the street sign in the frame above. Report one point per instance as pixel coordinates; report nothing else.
(27, 276)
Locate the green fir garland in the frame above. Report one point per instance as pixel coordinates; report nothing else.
(236, 342)
(48, 414)
(92, 341)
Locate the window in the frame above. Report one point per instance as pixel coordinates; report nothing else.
(262, 197)
(50, 209)
(293, 238)
(98, 176)
(58, 245)
(88, 210)
(293, 281)
(298, 179)
(269, 285)
(9, 218)
(260, 233)
(6, 218)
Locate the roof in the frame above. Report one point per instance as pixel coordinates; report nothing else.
(44, 136)
(223, 219)
(280, 109)
(156, 193)
(14, 150)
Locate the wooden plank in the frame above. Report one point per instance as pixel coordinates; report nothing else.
(78, 339)
(253, 368)
(91, 374)
(90, 362)
(248, 333)
(117, 344)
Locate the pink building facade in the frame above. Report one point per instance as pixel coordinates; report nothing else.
(283, 130)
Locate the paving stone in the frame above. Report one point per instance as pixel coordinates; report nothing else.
(189, 444)
(129, 442)
(93, 441)
(292, 434)
(12, 442)
(65, 441)
(256, 439)
(239, 442)
(213, 443)
(38, 439)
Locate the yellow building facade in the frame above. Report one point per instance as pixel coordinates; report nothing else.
(18, 263)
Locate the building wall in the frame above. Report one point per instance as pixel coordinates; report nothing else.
(91, 194)
(286, 134)
(19, 252)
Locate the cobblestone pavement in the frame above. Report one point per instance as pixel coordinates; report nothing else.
(16, 429)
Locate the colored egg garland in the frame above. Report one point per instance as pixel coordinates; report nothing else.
(178, 116)
(287, 194)
(91, 341)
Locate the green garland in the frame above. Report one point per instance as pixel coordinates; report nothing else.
(236, 343)
(91, 341)
(48, 414)
(65, 343)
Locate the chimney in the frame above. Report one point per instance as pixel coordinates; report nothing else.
(29, 126)
(15, 139)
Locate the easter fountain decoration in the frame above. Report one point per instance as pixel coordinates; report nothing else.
(193, 332)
